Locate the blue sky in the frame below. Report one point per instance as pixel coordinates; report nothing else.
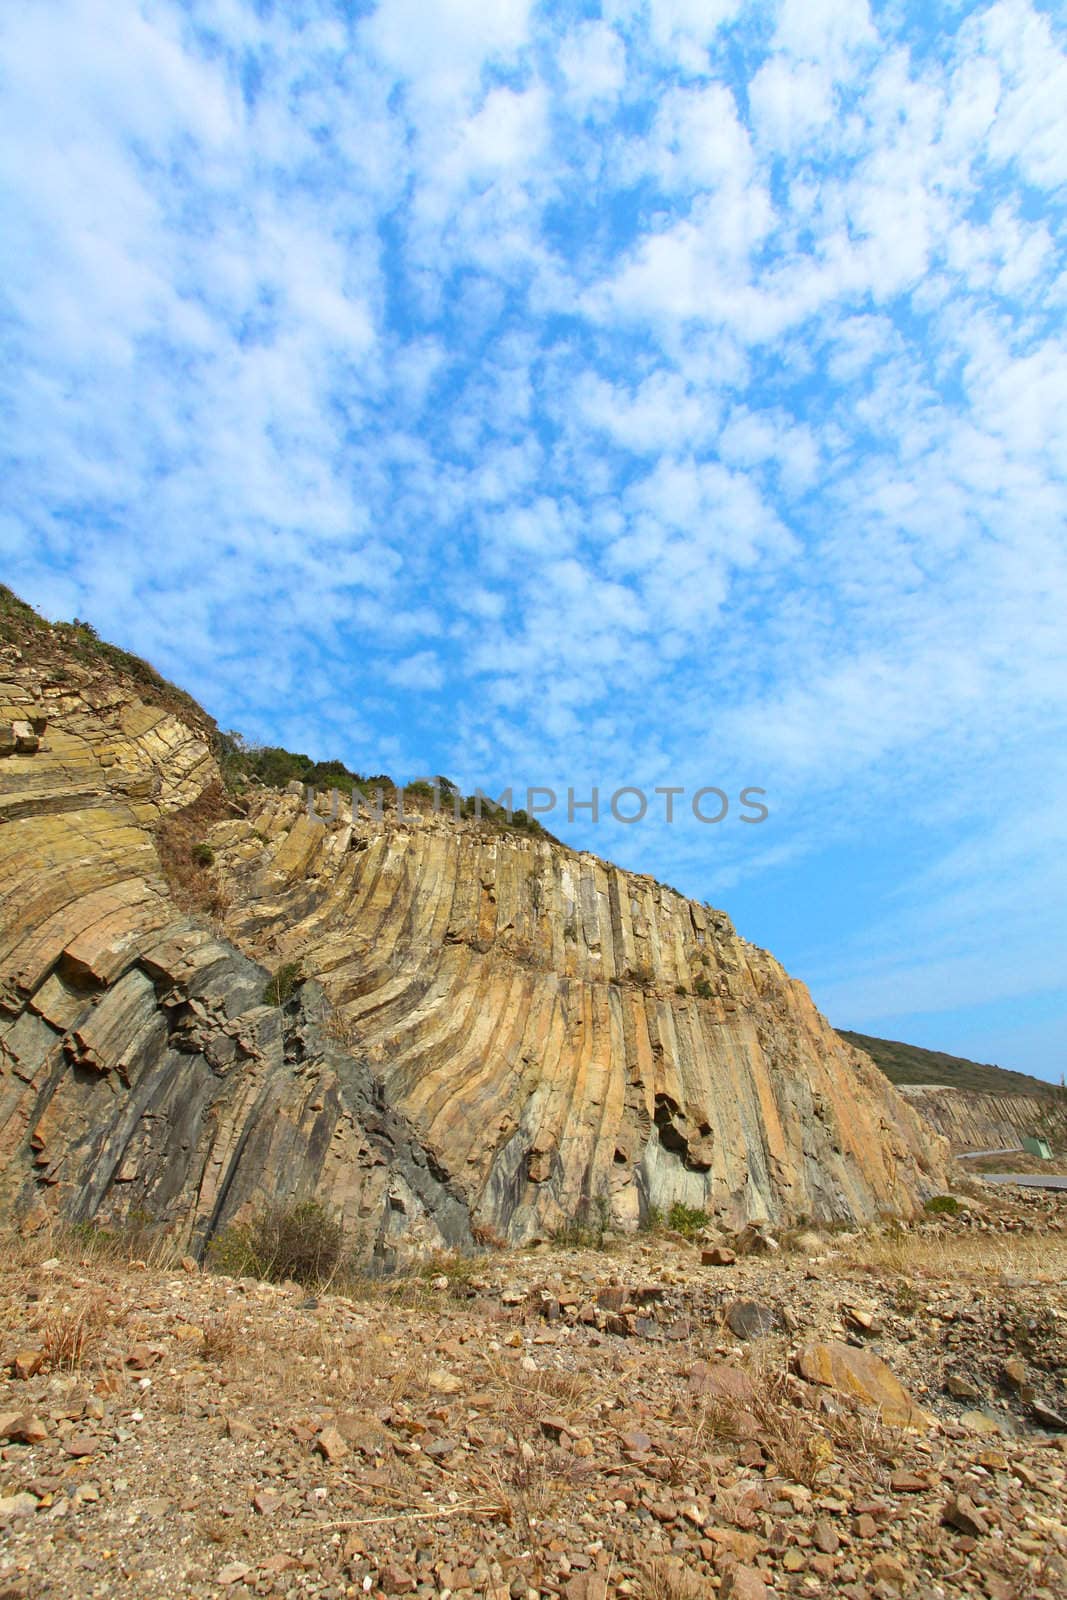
(647, 392)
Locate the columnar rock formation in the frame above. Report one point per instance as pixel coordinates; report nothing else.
(972, 1120)
(500, 1032)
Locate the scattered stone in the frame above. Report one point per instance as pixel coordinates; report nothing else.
(233, 1572)
(888, 1570)
(21, 1428)
(718, 1256)
(442, 1382)
(750, 1319)
(28, 1363)
(825, 1537)
(743, 1583)
(331, 1445)
(80, 1445)
(981, 1422)
(902, 1482)
(962, 1513)
(1014, 1373)
(1047, 1417)
(962, 1387)
(13, 1506)
(395, 1580)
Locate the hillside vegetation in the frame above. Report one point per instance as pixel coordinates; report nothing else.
(909, 1063)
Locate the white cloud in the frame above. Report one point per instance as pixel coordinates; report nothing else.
(824, 30)
(592, 59)
(386, 355)
(441, 49)
(791, 102)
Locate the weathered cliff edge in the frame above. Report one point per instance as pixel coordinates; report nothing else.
(496, 1035)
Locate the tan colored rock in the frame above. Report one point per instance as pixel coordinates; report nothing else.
(862, 1376)
(743, 1583)
(514, 1004)
(331, 1444)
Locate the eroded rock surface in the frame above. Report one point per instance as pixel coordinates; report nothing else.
(501, 1032)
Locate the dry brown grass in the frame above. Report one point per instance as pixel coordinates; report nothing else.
(194, 886)
(71, 1334)
(964, 1256)
(222, 1338)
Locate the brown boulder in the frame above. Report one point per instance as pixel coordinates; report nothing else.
(861, 1376)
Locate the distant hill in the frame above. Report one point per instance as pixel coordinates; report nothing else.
(909, 1063)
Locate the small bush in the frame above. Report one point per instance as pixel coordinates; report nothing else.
(281, 984)
(203, 855)
(703, 988)
(680, 988)
(942, 1205)
(300, 1241)
(686, 1220)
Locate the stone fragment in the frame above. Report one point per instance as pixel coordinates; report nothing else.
(80, 1445)
(750, 1319)
(743, 1583)
(902, 1482)
(442, 1382)
(980, 1422)
(21, 1428)
(962, 1513)
(233, 1572)
(962, 1388)
(396, 1580)
(825, 1537)
(331, 1445)
(13, 1506)
(28, 1363)
(718, 1256)
(888, 1570)
(1014, 1372)
(864, 1377)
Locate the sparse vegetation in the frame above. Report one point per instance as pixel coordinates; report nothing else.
(301, 1241)
(703, 989)
(71, 1333)
(282, 983)
(909, 1063)
(186, 857)
(686, 1220)
(942, 1205)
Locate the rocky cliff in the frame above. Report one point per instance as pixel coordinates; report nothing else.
(971, 1120)
(498, 1032)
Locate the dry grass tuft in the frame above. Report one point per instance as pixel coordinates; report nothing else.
(71, 1334)
(963, 1256)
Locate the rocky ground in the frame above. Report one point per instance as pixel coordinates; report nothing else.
(852, 1415)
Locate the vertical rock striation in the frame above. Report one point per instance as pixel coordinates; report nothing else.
(500, 1032)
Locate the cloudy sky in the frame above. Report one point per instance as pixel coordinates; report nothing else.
(644, 392)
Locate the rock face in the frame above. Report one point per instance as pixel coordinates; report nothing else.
(972, 1120)
(496, 1033)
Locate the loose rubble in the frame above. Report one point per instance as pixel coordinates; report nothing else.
(548, 1422)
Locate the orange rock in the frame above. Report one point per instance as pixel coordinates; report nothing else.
(862, 1376)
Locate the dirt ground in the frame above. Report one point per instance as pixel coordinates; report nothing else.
(630, 1421)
